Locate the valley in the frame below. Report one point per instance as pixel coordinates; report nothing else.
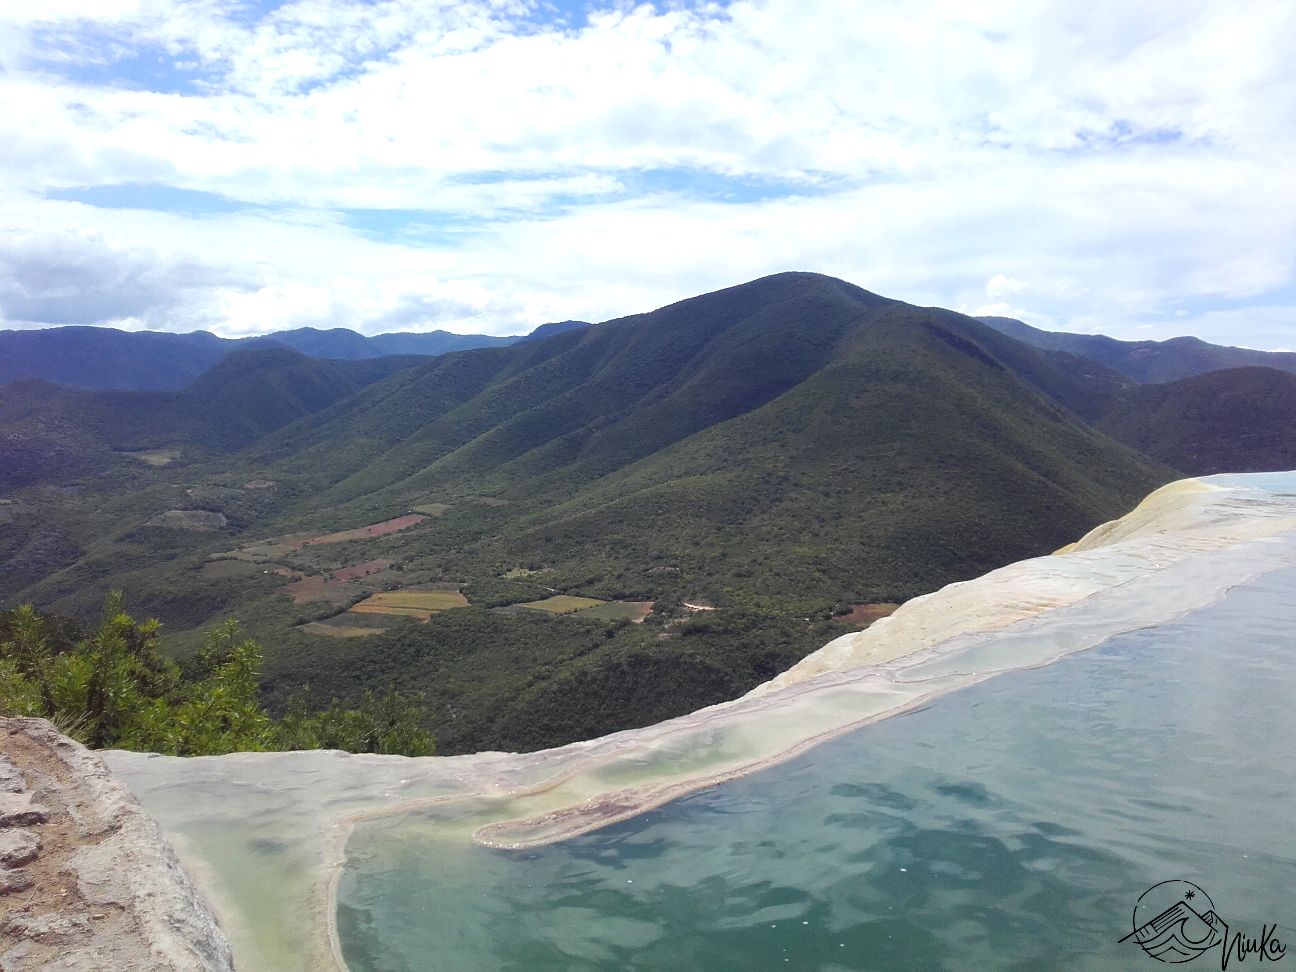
(607, 486)
(579, 533)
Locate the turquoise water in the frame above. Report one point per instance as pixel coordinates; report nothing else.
(1009, 825)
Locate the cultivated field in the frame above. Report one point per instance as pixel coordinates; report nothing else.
(862, 615)
(362, 569)
(342, 585)
(562, 604)
(411, 604)
(339, 631)
(632, 611)
(394, 525)
(222, 569)
(276, 548)
(154, 457)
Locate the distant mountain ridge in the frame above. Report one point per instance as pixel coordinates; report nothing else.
(107, 359)
(48, 430)
(1145, 361)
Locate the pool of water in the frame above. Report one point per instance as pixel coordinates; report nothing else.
(1012, 824)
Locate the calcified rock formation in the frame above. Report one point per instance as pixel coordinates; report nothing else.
(86, 880)
(250, 822)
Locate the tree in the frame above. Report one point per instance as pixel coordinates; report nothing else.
(115, 689)
(388, 723)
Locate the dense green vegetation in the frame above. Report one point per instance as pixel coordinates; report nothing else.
(1235, 420)
(114, 689)
(779, 450)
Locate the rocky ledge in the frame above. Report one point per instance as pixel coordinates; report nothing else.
(87, 881)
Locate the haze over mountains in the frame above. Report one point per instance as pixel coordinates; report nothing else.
(751, 461)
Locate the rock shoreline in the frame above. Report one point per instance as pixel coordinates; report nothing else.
(87, 882)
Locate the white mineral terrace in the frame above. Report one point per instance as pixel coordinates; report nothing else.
(264, 835)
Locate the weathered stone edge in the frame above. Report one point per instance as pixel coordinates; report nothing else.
(178, 927)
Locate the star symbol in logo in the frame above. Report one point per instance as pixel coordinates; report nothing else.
(1190, 895)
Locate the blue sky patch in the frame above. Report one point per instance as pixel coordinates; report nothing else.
(164, 199)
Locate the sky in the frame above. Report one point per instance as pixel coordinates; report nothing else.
(485, 167)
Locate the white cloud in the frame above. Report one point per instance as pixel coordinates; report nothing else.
(1087, 165)
(1001, 285)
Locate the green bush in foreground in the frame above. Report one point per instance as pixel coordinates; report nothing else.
(114, 689)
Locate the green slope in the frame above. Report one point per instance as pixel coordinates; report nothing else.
(49, 433)
(780, 449)
(1234, 420)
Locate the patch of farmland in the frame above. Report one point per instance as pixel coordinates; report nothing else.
(562, 604)
(222, 569)
(338, 631)
(260, 551)
(320, 587)
(362, 569)
(862, 615)
(386, 527)
(410, 604)
(345, 584)
(633, 611)
(276, 548)
(152, 457)
(432, 509)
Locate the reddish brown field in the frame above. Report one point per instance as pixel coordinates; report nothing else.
(382, 529)
(362, 569)
(276, 548)
(319, 587)
(335, 586)
(862, 615)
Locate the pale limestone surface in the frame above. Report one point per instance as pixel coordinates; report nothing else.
(265, 834)
(86, 880)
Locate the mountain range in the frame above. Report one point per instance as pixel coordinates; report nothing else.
(51, 432)
(1145, 361)
(103, 358)
(743, 466)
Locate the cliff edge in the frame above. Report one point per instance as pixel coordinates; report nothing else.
(87, 881)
